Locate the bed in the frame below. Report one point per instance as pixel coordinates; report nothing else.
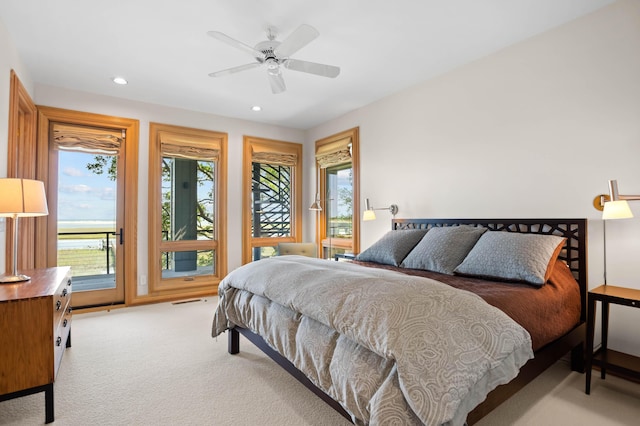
(388, 338)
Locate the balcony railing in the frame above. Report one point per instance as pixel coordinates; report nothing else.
(88, 253)
(91, 256)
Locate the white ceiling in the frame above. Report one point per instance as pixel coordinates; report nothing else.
(162, 48)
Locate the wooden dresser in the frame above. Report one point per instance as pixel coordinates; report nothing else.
(35, 328)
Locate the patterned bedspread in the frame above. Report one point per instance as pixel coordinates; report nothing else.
(391, 348)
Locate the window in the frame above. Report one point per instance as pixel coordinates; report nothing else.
(272, 191)
(187, 197)
(338, 193)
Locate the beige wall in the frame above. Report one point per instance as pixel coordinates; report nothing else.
(532, 131)
(535, 130)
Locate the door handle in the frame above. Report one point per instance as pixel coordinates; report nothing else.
(121, 235)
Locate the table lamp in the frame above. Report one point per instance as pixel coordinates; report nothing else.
(20, 198)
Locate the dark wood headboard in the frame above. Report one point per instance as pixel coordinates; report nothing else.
(574, 230)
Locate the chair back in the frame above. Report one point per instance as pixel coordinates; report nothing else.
(300, 249)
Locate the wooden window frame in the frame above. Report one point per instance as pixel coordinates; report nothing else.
(171, 288)
(353, 135)
(22, 162)
(251, 143)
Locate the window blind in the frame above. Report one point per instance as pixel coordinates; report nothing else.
(334, 153)
(91, 140)
(188, 147)
(262, 153)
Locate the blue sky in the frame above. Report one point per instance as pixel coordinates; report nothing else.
(83, 195)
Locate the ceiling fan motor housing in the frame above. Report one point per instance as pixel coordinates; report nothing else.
(267, 47)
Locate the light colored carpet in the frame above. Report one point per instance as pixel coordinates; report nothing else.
(157, 365)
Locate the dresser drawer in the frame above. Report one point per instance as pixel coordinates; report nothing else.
(60, 336)
(61, 320)
(61, 300)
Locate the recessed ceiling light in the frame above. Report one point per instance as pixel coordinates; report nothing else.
(119, 80)
(256, 108)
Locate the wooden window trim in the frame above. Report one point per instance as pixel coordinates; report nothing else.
(250, 145)
(166, 289)
(22, 163)
(352, 135)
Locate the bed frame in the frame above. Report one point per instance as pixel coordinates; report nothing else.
(574, 253)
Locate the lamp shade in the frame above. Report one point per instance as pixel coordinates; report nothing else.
(22, 198)
(369, 215)
(616, 210)
(315, 207)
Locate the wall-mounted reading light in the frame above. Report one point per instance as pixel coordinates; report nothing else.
(316, 207)
(369, 210)
(613, 206)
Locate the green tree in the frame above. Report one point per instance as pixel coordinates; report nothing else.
(104, 164)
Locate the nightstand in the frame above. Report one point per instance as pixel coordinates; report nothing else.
(622, 364)
(35, 329)
(344, 257)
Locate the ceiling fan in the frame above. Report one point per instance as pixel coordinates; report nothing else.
(273, 54)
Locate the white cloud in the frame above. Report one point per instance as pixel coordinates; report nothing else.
(108, 194)
(72, 171)
(75, 189)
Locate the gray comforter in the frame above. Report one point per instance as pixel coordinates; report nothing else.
(389, 347)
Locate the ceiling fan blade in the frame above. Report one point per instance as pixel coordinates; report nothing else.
(302, 36)
(312, 68)
(277, 82)
(234, 70)
(235, 43)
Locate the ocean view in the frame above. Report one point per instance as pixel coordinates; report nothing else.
(92, 234)
(86, 225)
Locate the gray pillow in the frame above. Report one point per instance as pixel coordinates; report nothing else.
(442, 249)
(513, 256)
(392, 247)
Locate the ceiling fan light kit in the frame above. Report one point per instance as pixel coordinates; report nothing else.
(273, 54)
